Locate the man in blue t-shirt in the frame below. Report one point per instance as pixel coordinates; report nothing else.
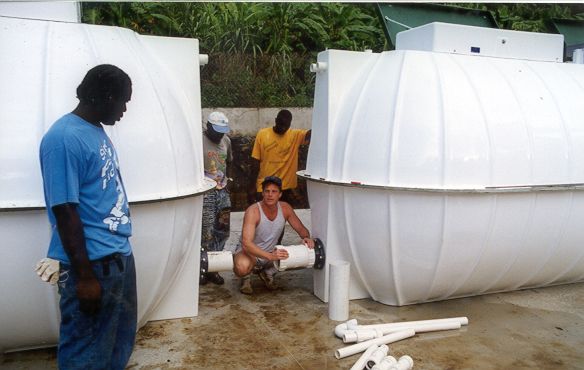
(90, 219)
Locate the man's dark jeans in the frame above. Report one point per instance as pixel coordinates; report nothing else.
(104, 340)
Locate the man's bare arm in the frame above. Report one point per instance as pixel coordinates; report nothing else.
(71, 233)
(296, 224)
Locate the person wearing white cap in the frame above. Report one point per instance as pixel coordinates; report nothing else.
(217, 158)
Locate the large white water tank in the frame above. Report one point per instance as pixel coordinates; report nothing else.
(449, 172)
(159, 146)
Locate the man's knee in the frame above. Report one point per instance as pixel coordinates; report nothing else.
(242, 264)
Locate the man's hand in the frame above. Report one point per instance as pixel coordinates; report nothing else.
(89, 295)
(278, 254)
(308, 242)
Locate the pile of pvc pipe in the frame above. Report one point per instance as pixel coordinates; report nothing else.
(372, 340)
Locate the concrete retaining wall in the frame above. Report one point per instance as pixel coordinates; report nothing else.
(248, 121)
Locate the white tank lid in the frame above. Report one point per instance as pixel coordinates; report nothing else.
(60, 11)
(481, 41)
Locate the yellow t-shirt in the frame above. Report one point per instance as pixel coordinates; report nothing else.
(278, 155)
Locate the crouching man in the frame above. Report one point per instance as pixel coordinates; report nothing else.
(263, 222)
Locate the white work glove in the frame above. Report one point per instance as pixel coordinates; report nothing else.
(48, 270)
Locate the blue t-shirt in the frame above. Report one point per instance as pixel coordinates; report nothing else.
(79, 165)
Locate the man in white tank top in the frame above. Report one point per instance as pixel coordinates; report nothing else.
(263, 223)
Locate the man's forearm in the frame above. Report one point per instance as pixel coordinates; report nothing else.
(71, 232)
(254, 250)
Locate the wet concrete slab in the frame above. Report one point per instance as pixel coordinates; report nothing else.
(289, 329)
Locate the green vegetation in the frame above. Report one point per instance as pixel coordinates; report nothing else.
(259, 53)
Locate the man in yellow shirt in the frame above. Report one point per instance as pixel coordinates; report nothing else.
(276, 150)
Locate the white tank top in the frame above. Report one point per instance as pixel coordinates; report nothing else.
(268, 232)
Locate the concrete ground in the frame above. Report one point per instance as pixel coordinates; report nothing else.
(289, 329)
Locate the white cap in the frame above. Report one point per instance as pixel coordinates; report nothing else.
(219, 121)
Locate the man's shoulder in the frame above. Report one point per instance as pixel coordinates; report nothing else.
(298, 131)
(286, 208)
(60, 131)
(264, 131)
(252, 212)
(226, 140)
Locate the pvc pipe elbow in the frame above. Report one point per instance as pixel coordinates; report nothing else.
(203, 59)
(341, 328)
(360, 347)
(377, 355)
(404, 363)
(385, 364)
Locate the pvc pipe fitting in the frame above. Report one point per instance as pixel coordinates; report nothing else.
(404, 363)
(342, 328)
(385, 364)
(215, 261)
(299, 256)
(356, 336)
(318, 67)
(220, 261)
(360, 364)
(339, 291)
(203, 59)
(360, 347)
(377, 355)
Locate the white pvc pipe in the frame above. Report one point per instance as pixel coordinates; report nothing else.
(406, 324)
(404, 363)
(377, 355)
(578, 56)
(360, 335)
(360, 364)
(318, 67)
(356, 336)
(339, 290)
(203, 59)
(385, 364)
(220, 261)
(360, 347)
(298, 256)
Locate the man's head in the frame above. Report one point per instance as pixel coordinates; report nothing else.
(283, 122)
(105, 90)
(217, 126)
(271, 189)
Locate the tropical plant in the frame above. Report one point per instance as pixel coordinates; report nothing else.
(259, 53)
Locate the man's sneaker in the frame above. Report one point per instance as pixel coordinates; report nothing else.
(246, 285)
(215, 278)
(268, 280)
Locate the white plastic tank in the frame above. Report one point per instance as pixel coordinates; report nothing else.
(159, 145)
(450, 167)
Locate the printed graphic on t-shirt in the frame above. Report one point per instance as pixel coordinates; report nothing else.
(109, 171)
(217, 167)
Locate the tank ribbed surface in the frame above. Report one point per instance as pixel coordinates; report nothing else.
(439, 175)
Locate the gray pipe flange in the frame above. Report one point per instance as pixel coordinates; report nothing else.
(204, 267)
(319, 254)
